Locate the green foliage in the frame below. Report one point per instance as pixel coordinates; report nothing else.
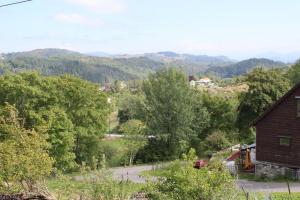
(95, 69)
(134, 137)
(70, 111)
(265, 87)
(98, 186)
(24, 155)
(202, 116)
(214, 142)
(131, 106)
(244, 67)
(104, 187)
(294, 73)
(222, 112)
(212, 113)
(183, 182)
(61, 137)
(115, 151)
(168, 114)
(180, 117)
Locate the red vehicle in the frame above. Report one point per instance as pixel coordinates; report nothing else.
(199, 164)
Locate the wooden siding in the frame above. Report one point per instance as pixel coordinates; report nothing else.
(282, 120)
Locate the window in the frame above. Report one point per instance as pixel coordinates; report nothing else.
(285, 141)
(298, 107)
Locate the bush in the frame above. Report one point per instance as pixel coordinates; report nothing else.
(115, 152)
(215, 142)
(24, 155)
(152, 153)
(182, 182)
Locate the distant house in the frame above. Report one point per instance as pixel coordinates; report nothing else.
(204, 80)
(278, 137)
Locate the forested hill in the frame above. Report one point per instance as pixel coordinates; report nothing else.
(243, 67)
(95, 69)
(99, 69)
(124, 67)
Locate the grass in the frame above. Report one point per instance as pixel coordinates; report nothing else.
(158, 170)
(271, 196)
(66, 187)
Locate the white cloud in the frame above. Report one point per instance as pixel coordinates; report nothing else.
(101, 6)
(77, 19)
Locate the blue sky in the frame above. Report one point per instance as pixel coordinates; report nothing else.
(236, 28)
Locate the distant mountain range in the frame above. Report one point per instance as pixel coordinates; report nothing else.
(100, 67)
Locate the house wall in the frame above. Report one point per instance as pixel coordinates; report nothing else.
(281, 121)
(273, 170)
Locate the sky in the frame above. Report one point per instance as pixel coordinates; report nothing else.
(234, 28)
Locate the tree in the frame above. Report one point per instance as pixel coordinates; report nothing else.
(61, 137)
(294, 73)
(71, 112)
(201, 121)
(88, 110)
(168, 113)
(133, 131)
(265, 87)
(222, 112)
(24, 155)
(131, 106)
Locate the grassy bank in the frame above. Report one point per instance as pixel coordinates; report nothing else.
(100, 185)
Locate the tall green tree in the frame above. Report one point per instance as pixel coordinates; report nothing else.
(201, 121)
(133, 131)
(265, 87)
(168, 114)
(60, 131)
(294, 73)
(88, 109)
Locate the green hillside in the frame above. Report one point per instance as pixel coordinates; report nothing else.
(96, 69)
(126, 67)
(243, 67)
(99, 69)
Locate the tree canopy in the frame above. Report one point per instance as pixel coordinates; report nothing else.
(265, 87)
(70, 111)
(169, 110)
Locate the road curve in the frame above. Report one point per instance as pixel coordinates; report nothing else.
(131, 173)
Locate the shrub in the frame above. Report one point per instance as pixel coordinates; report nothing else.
(24, 155)
(214, 142)
(182, 182)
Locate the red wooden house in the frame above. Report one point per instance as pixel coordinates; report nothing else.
(278, 136)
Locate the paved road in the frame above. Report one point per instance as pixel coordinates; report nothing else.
(252, 186)
(133, 174)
